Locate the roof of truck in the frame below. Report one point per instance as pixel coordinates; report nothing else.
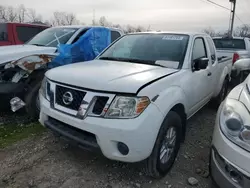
(173, 32)
(85, 26)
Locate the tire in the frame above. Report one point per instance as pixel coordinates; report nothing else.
(223, 93)
(156, 167)
(32, 101)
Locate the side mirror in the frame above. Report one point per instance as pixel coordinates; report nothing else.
(242, 64)
(200, 64)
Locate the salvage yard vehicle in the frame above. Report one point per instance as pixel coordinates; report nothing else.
(235, 47)
(22, 67)
(132, 102)
(18, 33)
(230, 153)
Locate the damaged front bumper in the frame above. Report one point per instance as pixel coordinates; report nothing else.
(10, 90)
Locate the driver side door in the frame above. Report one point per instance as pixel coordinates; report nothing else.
(200, 89)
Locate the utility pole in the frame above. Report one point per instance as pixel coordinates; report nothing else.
(232, 16)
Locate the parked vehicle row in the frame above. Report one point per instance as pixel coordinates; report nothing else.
(132, 102)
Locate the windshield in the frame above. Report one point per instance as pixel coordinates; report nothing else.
(53, 36)
(238, 44)
(148, 48)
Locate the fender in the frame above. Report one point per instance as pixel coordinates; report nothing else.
(169, 97)
(225, 72)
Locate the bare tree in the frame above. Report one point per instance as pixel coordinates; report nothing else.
(210, 31)
(21, 12)
(103, 21)
(3, 14)
(64, 18)
(33, 16)
(243, 31)
(11, 14)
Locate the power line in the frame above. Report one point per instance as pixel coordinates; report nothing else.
(211, 2)
(218, 5)
(239, 19)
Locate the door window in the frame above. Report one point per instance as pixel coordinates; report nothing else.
(199, 49)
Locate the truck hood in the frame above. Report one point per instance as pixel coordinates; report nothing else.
(111, 76)
(14, 52)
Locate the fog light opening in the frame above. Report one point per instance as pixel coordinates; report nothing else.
(122, 148)
(234, 174)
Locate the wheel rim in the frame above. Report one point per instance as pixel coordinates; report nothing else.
(168, 145)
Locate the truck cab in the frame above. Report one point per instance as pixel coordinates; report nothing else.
(132, 102)
(18, 33)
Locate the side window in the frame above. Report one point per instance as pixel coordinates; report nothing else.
(212, 50)
(114, 35)
(3, 32)
(79, 35)
(199, 49)
(25, 33)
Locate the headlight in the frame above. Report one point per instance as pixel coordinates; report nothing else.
(44, 87)
(235, 123)
(127, 107)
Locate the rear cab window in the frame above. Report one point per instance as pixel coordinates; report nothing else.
(230, 44)
(3, 32)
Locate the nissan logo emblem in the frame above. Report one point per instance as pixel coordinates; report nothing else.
(68, 98)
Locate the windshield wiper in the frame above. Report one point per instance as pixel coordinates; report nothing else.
(37, 44)
(141, 61)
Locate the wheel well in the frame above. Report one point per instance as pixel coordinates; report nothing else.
(180, 110)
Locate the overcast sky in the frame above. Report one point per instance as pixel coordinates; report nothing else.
(181, 15)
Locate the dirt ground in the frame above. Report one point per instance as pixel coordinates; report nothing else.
(46, 162)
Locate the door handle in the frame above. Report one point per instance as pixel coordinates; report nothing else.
(209, 74)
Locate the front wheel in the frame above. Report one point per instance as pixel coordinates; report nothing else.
(32, 101)
(166, 146)
(223, 93)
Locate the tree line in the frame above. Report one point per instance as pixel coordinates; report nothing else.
(241, 31)
(21, 14)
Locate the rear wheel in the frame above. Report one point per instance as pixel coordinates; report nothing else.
(166, 146)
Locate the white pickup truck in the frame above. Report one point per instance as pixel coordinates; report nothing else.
(132, 102)
(235, 47)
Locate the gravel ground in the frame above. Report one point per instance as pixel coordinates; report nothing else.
(45, 161)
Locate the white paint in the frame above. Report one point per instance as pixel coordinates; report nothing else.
(192, 89)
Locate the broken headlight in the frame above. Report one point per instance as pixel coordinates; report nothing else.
(127, 107)
(235, 123)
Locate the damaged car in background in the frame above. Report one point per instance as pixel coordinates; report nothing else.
(23, 68)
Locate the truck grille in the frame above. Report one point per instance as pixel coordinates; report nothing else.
(77, 102)
(64, 96)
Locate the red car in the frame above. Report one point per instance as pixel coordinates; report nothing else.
(18, 33)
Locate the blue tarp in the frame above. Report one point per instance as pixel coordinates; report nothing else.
(90, 45)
